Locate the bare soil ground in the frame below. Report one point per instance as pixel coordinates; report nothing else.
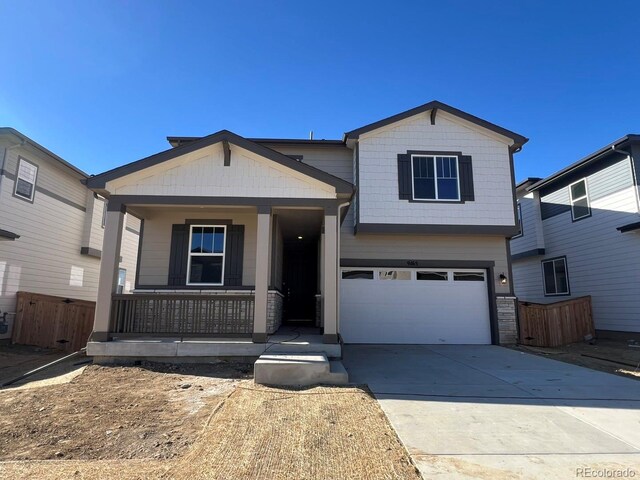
(18, 359)
(135, 423)
(611, 356)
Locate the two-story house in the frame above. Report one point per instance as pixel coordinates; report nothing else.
(580, 235)
(397, 233)
(52, 227)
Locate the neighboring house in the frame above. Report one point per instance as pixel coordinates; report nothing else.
(52, 227)
(397, 233)
(580, 235)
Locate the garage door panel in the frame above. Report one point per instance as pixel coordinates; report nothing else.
(414, 311)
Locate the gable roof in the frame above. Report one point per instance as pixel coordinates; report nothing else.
(518, 140)
(100, 181)
(588, 160)
(9, 131)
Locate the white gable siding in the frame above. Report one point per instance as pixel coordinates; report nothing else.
(601, 261)
(202, 173)
(378, 188)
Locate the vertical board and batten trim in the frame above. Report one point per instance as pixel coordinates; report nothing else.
(179, 255)
(465, 172)
(234, 250)
(405, 190)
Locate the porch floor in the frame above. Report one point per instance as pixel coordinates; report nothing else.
(290, 340)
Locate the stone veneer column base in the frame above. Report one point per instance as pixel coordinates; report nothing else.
(507, 324)
(274, 311)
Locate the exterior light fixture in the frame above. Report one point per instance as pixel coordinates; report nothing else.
(299, 237)
(503, 279)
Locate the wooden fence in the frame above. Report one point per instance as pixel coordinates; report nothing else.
(52, 322)
(555, 324)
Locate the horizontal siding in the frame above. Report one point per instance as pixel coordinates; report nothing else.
(528, 239)
(129, 250)
(156, 241)
(602, 262)
(51, 175)
(338, 161)
(427, 247)
(555, 203)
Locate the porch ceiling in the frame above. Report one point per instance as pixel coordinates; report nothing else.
(296, 223)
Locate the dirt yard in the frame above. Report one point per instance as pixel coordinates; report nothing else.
(191, 422)
(611, 356)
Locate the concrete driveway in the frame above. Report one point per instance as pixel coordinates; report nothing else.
(493, 413)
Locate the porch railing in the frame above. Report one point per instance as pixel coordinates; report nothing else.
(187, 314)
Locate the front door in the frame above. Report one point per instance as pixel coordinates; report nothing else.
(300, 280)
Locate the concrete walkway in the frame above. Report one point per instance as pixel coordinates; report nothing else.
(493, 413)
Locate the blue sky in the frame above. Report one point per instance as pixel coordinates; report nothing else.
(102, 83)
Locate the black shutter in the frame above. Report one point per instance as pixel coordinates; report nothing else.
(404, 176)
(466, 178)
(179, 255)
(234, 250)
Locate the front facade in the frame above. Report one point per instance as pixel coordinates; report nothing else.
(580, 235)
(51, 228)
(395, 234)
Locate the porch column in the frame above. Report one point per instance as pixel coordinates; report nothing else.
(330, 277)
(109, 265)
(263, 250)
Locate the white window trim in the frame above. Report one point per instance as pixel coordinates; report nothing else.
(224, 249)
(544, 279)
(573, 200)
(435, 173)
(35, 180)
(519, 220)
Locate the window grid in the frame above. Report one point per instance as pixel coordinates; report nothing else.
(435, 167)
(579, 197)
(26, 177)
(213, 253)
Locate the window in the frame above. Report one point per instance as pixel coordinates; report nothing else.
(104, 214)
(519, 215)
(580, 207)
(394, 275)
(435, 177)
(556, 279)
(26, 180)
(122, 279)
(437, 276)
(206, 255)
(468, 276)
(354, 274)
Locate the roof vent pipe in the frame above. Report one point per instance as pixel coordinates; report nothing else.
(310, 134)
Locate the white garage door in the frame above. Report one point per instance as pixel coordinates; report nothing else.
(414, 306)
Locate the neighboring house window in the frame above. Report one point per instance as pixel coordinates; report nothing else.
(435, 177)
(206, 255)
(519, 214)
(580, 207)
(556, 278)
(122, 278)
(26, 180)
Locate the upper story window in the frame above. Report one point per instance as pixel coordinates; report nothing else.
(26, 179)
(435, 177)
(519, 219)
(206, 255)
(556, 277)
(579, 194)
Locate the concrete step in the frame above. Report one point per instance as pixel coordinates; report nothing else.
(338, 374)
(298, 370)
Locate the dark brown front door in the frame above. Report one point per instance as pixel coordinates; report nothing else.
(300, 280)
